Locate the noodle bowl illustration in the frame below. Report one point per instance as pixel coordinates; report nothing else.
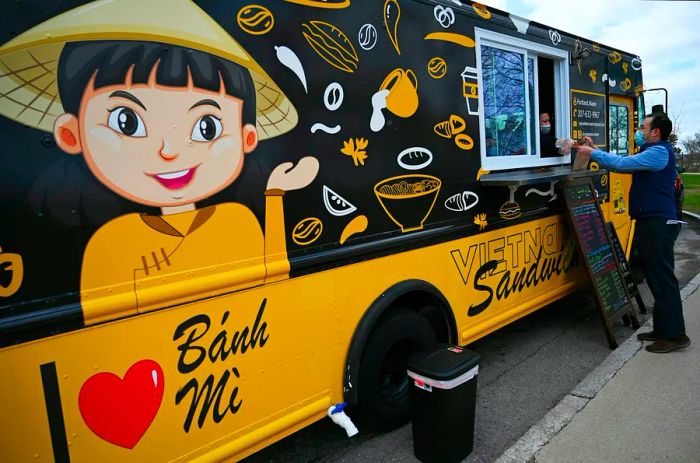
(408, 199)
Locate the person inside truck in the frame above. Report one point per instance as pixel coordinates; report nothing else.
(167, 126)
(652, 204)
(550, 145)
(491, 146)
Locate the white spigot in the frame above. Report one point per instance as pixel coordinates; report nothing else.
(336, 413)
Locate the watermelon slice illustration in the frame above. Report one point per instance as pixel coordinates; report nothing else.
(336, 204)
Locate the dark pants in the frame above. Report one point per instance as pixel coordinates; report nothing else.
(654, 240)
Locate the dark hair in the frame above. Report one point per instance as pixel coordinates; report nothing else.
(661, 121)
(110, 61)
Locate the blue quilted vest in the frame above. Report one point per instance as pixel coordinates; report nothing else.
(653, 193)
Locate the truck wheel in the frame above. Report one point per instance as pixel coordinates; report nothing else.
(384, 400)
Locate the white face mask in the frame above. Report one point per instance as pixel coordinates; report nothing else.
(545, 128)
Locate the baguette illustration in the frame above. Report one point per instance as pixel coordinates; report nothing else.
(322, 3)
(461, 202)
(443, 129)
(331, 44)
(459, 39)
(415, 158)
(453, 126)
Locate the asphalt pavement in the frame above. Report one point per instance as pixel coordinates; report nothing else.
(636, 406)
(539, 379)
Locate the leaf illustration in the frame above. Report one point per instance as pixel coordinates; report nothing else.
(480, 220)
(355, 149)
(348, 147)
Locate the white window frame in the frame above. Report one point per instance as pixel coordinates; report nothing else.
(562, 128)
(536, 82)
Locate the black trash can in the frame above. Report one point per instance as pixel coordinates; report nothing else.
(443, 399)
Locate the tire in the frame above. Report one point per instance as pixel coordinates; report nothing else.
(384, 400)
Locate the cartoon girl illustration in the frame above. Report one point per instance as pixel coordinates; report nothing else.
(164, 106)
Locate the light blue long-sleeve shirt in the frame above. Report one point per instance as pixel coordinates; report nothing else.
(654, 158)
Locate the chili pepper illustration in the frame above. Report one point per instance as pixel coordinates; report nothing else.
(392, 13)
(290, 59)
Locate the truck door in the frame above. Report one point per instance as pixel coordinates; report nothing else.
(621, 136)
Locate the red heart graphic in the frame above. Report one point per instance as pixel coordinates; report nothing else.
(119, 410)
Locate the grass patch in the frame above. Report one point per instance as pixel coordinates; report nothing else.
(691, 181)
(691, 201)
(692, 193)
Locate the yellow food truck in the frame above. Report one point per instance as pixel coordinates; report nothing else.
(221, 218)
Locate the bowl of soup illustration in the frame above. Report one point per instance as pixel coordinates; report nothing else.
(408, 199)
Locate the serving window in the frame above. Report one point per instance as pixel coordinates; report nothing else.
(519, 80)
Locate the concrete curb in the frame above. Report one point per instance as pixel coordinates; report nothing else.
(556, 419)
(692, 215)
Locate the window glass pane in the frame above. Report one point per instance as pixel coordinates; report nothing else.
(534, 117)
(503, 74)
(622, 129)
(619, 129)
(612, 120)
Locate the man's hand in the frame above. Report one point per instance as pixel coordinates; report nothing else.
(289, 177)
(582, 157)
(587, 141)
(585, 151)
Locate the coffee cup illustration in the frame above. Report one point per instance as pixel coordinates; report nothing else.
(402, 85)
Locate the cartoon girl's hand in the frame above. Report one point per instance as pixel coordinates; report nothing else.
(289, 177)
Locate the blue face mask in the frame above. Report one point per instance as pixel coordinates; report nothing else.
(639, 138)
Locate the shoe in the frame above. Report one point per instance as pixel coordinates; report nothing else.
(662, 346)
(647, 336)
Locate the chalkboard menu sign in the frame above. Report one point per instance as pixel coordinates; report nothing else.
(622, 260)
(627, 276)
(598, 252)
(588, 116)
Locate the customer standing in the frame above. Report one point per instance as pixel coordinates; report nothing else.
(652, 204)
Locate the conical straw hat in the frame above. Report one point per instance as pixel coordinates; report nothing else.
(28, 63)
